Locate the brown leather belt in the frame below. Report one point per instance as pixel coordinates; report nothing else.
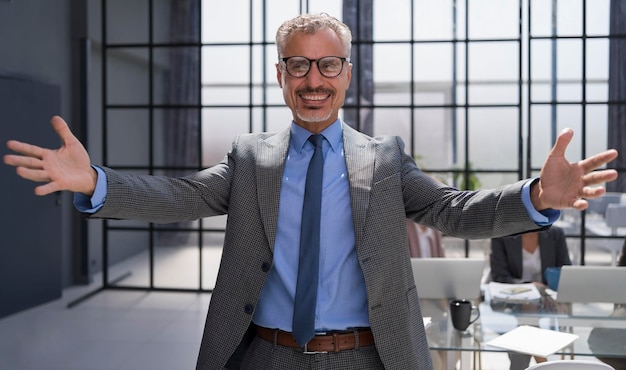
(332, 342)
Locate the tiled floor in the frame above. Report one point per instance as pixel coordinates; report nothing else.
(119, 330)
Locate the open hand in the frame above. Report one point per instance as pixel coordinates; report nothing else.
(567, 185)
(66, 168)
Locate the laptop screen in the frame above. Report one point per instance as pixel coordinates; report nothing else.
(592, 284)
(448, 278)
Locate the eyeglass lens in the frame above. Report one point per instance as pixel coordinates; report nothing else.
(300, 66)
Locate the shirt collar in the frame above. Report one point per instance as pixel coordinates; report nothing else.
(332, 133)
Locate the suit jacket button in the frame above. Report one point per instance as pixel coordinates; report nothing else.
(249, 309)
(265, 267)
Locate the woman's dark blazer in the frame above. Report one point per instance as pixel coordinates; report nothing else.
(506, 255)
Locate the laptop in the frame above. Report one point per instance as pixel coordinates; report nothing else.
(448, 278)
(592, 284)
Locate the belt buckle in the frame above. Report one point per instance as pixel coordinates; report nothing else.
(306, 351)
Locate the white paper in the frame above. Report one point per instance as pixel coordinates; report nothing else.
(533, 341)
(514, 292)
(427, 322)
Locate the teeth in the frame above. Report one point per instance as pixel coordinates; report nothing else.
(314, 97)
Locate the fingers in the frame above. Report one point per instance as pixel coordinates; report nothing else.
(562, 141)
(46, 189)
(25, 149)
(599, 177)
(36, 175)
(598, 160)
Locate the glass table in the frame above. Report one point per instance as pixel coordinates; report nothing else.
(600, 332)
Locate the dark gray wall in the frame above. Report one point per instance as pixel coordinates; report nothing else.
(30, 248)
(40, 40)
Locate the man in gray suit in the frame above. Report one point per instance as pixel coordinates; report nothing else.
(367, 312)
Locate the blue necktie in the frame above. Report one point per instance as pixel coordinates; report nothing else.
(308, 264)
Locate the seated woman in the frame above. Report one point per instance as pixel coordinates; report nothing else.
(524, 259)
(423, 241)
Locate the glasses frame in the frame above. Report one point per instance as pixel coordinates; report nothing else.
(317, 62)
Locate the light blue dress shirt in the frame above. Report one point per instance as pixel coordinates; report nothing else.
(342, 298)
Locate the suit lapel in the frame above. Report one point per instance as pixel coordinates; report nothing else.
(270, 167)
(360, 154)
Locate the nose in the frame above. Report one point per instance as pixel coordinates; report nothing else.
(314, 77)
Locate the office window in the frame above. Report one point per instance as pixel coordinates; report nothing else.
(477, 90)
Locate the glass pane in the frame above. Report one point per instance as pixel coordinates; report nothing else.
(597, 59)
(276, 12)
(432, 20)
(211, 256)
(225, 65)
(570, 18)
(175, 78)
(128, 138)
(544, 131)
(175, 21)
(433, 62)
(493, 61)
(458, 129)
(567, 22)
(127, 21)
(433, 140)
(490, 19)
(129, 262)
(176, 138)
(540, 18)
(392, 63)
(219, 18)
(332, 7)
(176, 260)
(393, 121)
(128, 76)
(392, 93)
(541, 60)
(219, 128)
(484, 123)
(496, 93)
(280, 118)
(596, 129)
(493, 180)
(391, 12)
(569, 59)
(598, 17)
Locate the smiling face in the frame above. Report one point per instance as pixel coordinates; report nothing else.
(314, 100)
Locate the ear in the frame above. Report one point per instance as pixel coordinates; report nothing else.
(348, 75)
(279, 76)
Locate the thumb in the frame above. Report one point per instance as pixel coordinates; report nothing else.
(62, 129)
(562, 141)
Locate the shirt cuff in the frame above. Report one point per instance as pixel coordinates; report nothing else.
(92, 204)
(542, 218)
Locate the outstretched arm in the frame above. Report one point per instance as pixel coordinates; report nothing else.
(67, 168)
(567, 185)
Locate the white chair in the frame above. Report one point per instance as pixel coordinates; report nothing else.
(615, 216)
(599, 205)
(571, 365)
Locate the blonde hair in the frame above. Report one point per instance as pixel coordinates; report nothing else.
(311, 23)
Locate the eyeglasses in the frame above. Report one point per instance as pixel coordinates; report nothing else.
(300, 66)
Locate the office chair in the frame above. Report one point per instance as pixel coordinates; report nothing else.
(571, 365)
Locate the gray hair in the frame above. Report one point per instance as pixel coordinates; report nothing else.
(311, 23)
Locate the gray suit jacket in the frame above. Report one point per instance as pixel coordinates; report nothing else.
(386, 187)
(506, 255)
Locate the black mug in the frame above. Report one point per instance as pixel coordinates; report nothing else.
(461, 313)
